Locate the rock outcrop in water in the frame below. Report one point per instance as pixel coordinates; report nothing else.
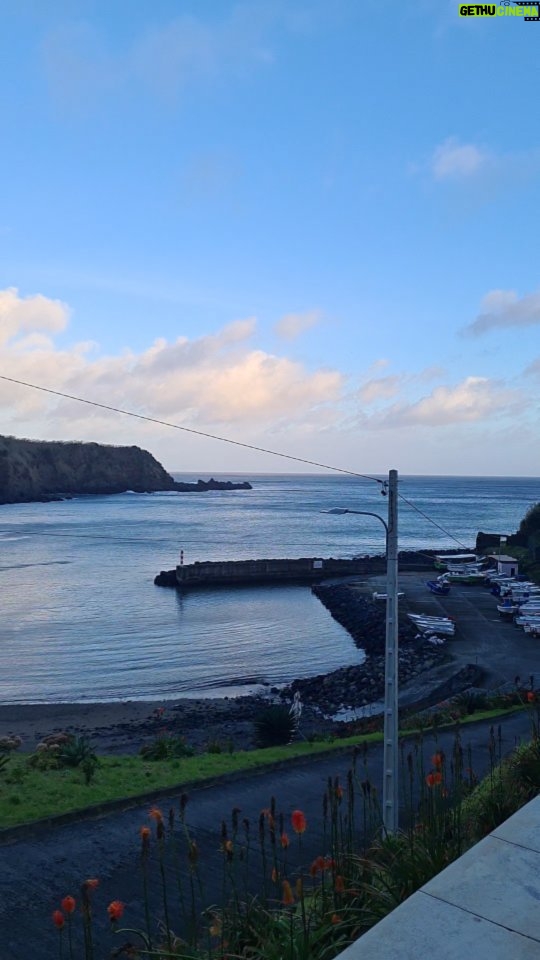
(39, 470)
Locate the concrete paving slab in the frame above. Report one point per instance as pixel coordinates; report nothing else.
(523, 828)
(425, 927)
(496, 880)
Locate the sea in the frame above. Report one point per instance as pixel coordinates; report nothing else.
(81, 619)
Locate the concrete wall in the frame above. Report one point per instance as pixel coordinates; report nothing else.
(303, 570)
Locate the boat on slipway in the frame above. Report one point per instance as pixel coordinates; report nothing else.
(439, 587)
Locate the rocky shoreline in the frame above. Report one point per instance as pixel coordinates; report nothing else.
(357, 686)
(124, 727)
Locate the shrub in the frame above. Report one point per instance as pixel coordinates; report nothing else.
(471, 701)
(7, 746)
(165, 747)
(274, 726)
(512, 784)
(76, 752)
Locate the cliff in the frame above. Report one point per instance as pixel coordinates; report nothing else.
(49, 470)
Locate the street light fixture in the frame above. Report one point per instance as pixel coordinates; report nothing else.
(390, 753)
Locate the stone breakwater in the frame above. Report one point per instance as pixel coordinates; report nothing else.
(356, 686)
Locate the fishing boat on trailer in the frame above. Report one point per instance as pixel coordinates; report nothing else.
(472, 576)
(442, 560)
(439, 587)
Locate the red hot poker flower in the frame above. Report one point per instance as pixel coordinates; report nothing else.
(433, 779)
(438, 759)
(58, 919)
(288, 896)
(531, 697)
(68, 904)
(298, 821)
(285, 842)
(91, 884)
(115, 910)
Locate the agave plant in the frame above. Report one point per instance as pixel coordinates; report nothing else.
(76, 752)
(274, 726)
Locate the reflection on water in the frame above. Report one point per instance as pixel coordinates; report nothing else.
(82, 620)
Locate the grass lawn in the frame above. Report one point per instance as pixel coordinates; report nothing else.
(27, 794)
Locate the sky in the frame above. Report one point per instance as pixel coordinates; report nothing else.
(311, 226)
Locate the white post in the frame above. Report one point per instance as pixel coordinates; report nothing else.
(391, 745)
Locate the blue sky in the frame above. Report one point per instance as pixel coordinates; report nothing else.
(311, 226)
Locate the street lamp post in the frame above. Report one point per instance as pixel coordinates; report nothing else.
(390, 753)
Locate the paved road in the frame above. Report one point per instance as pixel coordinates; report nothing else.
(36, 872)
(502, 650)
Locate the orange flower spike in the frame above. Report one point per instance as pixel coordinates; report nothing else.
(531, 696)
(438, 759)
(285, 842)
(318, 865)
(91, 884)
(339, 792)
(437, 776)
(299, 822)
(336, 918)
(339, 884)
(275, 875)
(156, 815)
(58, 919)
(430, 779)
(288, 897)
(115, 910)
(145, 833)
(68, 904)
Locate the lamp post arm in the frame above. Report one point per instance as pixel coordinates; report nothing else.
(362, 513)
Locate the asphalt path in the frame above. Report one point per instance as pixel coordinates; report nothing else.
(37, 871)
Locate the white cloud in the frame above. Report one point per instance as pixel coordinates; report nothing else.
(214, 379)
(455, 160)
(502, 309)
(533, 369)
(19, 315)
(474, 399)
(382, 388)
(81, 65)
(293, 324)
(379, 388)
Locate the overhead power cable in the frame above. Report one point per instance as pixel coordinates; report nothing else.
(236, 443)
(430, 520)
(199, 433)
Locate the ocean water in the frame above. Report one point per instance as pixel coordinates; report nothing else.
(82, 620)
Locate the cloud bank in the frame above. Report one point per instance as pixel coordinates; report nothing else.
(504, 309)
(212, 380)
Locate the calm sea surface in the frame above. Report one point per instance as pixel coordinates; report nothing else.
(82, 620)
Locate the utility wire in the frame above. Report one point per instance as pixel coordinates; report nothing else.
(199, 433)
(430, 520)
(237, 443)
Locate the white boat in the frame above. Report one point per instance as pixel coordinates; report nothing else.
(445, 560)
(433, 625)
(526, 621)
(419, 617)
(508, 609)
(384, 596)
